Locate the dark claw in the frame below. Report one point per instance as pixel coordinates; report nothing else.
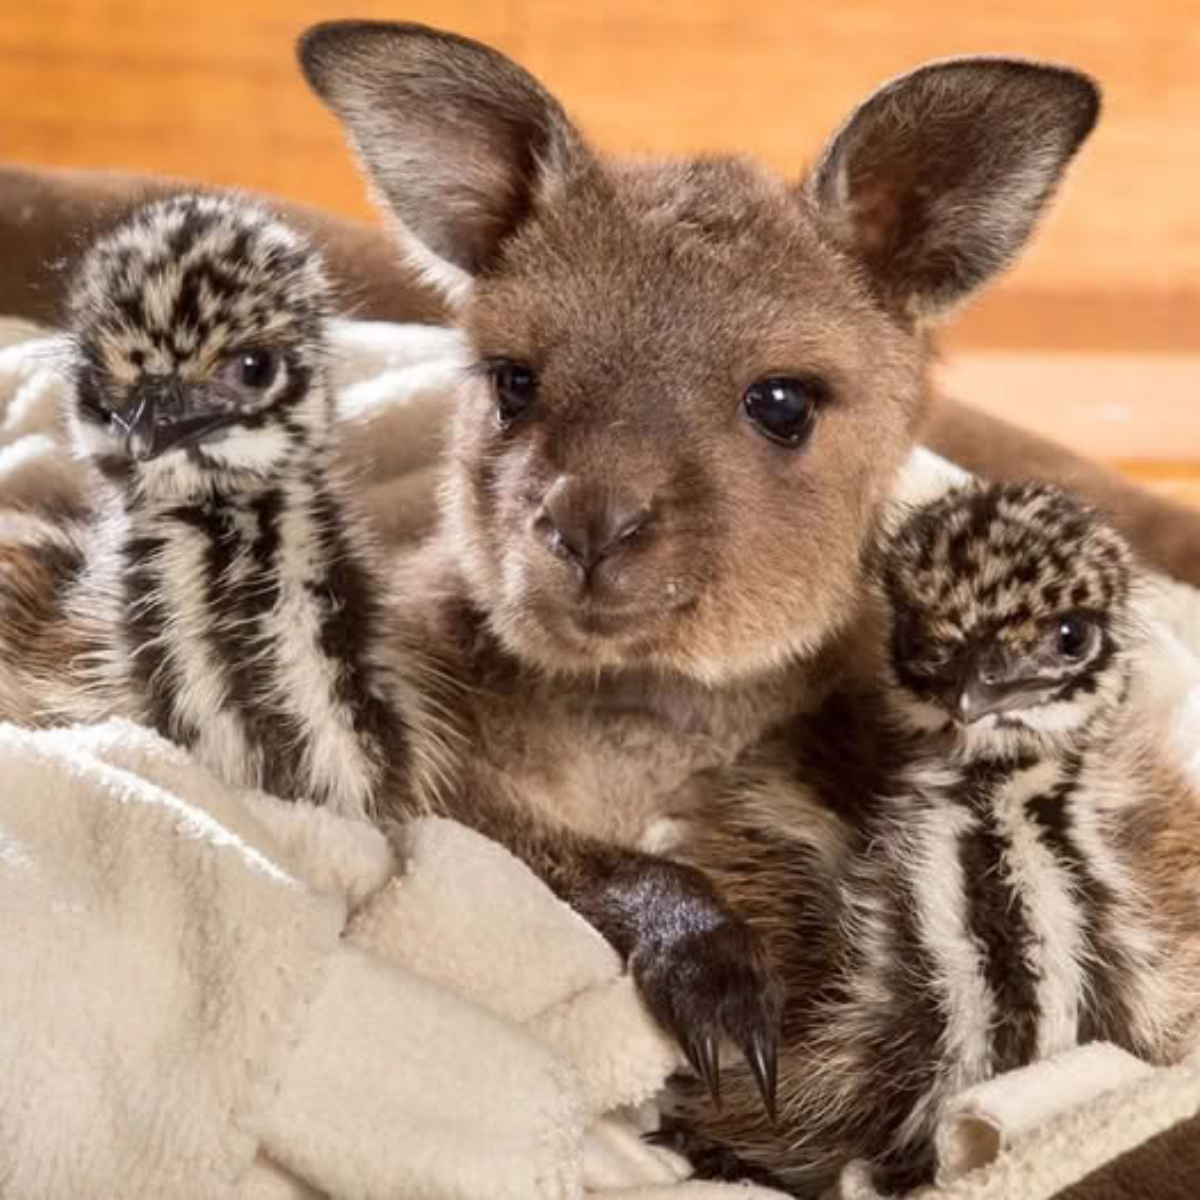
(704, 1055)
(706, 976)
(762, 1055)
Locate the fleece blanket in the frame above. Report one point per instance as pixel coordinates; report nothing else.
(210, 993)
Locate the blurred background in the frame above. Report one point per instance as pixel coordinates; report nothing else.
(1094, 338)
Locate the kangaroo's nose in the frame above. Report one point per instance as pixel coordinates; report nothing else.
(586, 521)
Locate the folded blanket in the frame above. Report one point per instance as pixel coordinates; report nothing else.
(213, 993)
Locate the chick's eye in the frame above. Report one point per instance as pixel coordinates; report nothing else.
(514, 385)
(784, 409)
(1073, 637)
(252, 370)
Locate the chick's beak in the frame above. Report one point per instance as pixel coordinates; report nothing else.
(158, 419)
(977, 699)
(995, 683)
(139, 424)
(142, 420)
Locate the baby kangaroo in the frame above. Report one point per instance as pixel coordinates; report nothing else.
(1006, 900)
(689, 387)
(227, 593)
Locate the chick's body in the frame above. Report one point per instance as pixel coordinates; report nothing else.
(1025, 875)
(224, 589)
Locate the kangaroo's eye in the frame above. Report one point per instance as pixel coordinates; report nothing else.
(252, 370)
(514, 385)
(784, 409)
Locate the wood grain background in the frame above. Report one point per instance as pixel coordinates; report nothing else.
(208, 90)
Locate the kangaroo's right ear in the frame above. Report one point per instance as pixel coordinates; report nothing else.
(937, 180)
(461, 143)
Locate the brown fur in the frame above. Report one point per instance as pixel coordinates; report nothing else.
(40, 556)
(1162, 832)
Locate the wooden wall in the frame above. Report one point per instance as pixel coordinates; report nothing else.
(208, 89)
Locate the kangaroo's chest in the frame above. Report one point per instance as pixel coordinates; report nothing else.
(614, 763)
(610, 774)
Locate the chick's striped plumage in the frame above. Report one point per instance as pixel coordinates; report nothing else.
(1001, 901)
(246, 621)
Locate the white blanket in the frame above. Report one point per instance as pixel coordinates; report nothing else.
(210, 993)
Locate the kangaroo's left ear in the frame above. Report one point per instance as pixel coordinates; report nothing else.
(936, 181)
(460, 142)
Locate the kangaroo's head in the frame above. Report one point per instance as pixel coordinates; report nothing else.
(693, 381)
